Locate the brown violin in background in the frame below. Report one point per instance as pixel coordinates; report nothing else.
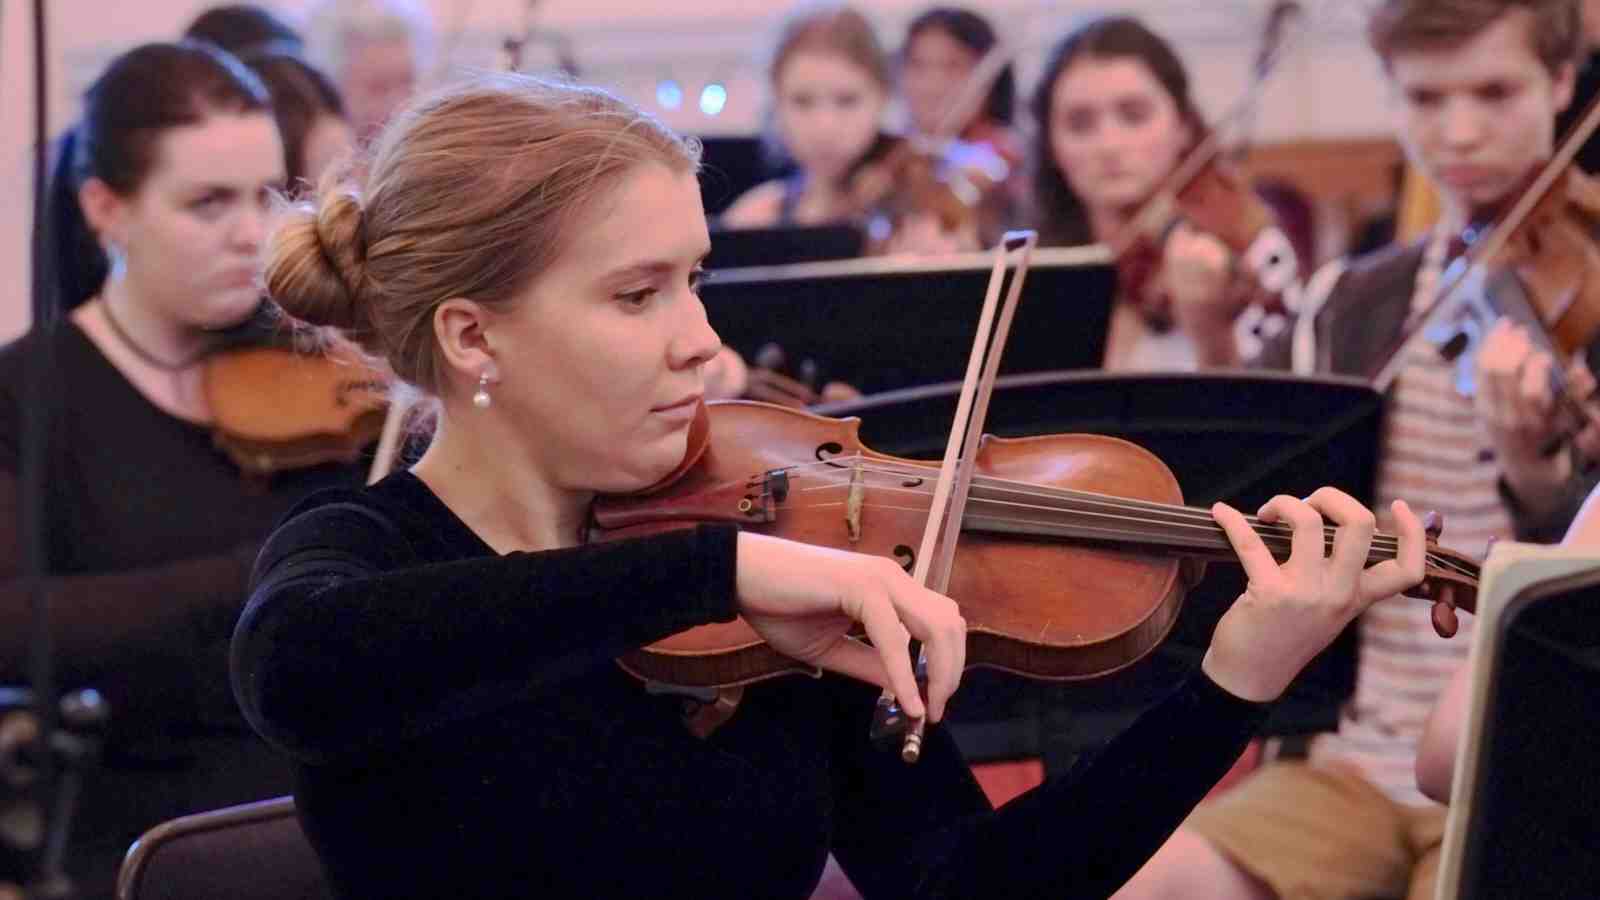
(1534, 259)
(276, 408)
(1207, 191)
(949, 184)
(1073, 560)
(937, 180)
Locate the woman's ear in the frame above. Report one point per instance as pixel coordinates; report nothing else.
(105, 211)
(461, 327)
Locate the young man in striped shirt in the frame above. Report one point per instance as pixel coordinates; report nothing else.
(1477, 85)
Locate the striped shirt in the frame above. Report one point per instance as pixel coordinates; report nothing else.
(1434, 455)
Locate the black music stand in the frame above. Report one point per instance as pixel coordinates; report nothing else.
(1526, 789)
(733, 248)
(882, 324)
(731, 165)
(1240, 437)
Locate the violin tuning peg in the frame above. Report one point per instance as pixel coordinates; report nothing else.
(1445, 622)
(1433, 524)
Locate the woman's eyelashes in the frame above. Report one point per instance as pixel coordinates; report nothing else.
(640, 297)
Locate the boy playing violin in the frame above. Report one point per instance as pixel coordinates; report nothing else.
(1476, 85)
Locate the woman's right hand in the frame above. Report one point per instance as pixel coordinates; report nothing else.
(804, 600)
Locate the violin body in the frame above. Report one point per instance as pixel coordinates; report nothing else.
(276, 408)
(1219, 202)
(1044, 594)
(954, 185)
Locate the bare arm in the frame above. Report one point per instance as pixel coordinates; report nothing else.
(1436, 754)
(755, 208)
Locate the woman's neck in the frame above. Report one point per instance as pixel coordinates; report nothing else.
(1106, 221)
(156, 339)
(489, 479)
(820, 200)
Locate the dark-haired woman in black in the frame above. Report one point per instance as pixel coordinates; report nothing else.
(158, 214)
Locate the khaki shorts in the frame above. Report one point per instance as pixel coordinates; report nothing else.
(1324, 833)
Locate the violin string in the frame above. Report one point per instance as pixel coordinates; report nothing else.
(1204, 522)
(1092, 532)
(1111, 534)
(1028, 489)
(839, 468)
(1172, 512)
(1217, 537)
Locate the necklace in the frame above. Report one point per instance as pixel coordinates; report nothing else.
(149, 358)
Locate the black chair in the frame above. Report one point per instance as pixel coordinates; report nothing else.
(255, 851)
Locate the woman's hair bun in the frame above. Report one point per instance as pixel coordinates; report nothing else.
(316, 263)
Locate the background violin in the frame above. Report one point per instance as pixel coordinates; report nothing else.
(937, 180)
(277, 408)
(1207, 191)
(1532, 259)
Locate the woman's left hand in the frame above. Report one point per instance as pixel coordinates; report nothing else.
(1289, 613)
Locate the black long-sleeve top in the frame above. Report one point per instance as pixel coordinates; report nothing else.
(150, 533)
(461, 730)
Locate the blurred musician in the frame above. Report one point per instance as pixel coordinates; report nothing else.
(377, 52)
(1115, 117)
(830, 81)
(1477, 84)
(942, 49)
(158, 206)
(310, 114)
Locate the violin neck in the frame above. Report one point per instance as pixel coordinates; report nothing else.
(1081, 516)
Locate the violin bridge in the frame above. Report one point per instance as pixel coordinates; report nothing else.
(852, 505)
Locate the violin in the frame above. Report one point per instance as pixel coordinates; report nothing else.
(951, 183)
(276, 408)
(1069, 555)
(1532, 258)
(1207, 191)
(1073, 559)
(938, 178)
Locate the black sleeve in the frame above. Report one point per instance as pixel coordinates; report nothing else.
(349, 644)
(111, 622)
(1549, 526)
(1081, 834)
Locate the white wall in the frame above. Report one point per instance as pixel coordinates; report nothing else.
(1330, 89)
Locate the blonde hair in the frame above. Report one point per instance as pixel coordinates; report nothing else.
(470, 194)
(833, 29)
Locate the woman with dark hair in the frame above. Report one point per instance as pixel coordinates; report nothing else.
(310, 114)
(942, 49)
(1115, 117)
(158, 212)
(244, 28)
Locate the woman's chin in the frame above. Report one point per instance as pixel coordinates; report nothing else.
(227, 310)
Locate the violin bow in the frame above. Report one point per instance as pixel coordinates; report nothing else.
(1279, 18)
(1469, 267)
(974, 91)
(940, 535)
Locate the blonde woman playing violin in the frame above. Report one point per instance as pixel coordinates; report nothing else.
(436, 652)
